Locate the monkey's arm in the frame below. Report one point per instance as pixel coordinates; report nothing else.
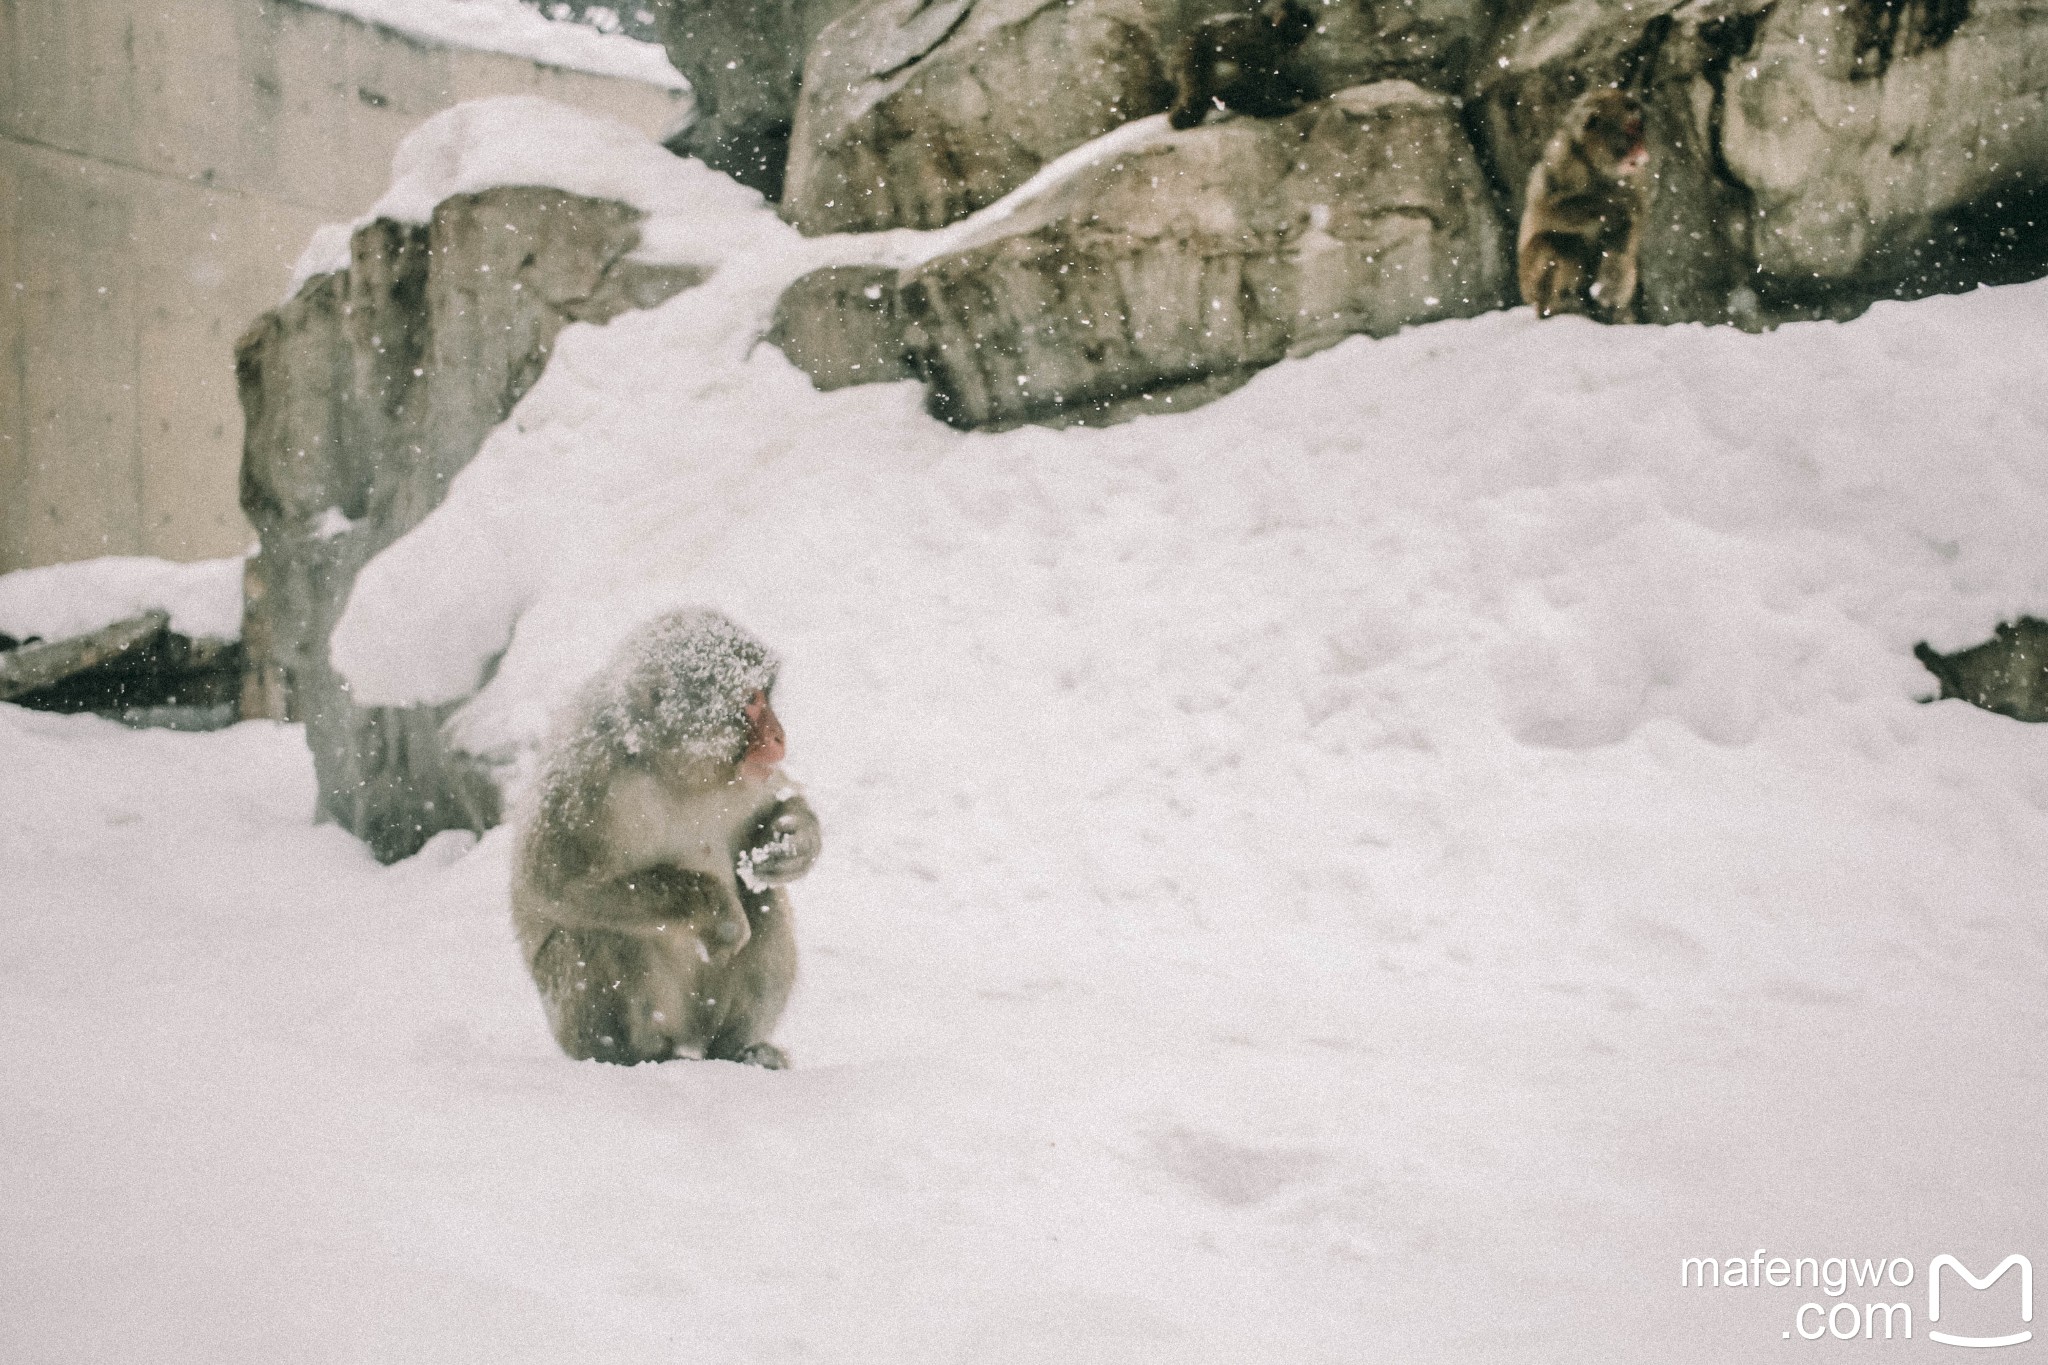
(645, 901)
(782, 845)
(1586, 213)
(1555, 271)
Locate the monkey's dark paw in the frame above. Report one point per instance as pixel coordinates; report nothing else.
(784, 846)
(765, 1055)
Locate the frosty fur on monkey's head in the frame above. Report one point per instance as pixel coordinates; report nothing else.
(678, 685)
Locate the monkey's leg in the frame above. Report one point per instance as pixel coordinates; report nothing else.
(608, 997)
(1555, 274)
(618, 963)
(1613, 293)
(755, 985)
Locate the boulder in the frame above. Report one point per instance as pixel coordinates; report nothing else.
(844, 325)
(2007, 673)
(362, 398)
(744, 60)
(1175, 269)
(915, 113)
(1808, 156)
(136, 670)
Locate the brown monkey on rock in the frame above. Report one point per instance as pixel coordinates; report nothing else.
(647, 884)
(1243, 63)
(1582, 220)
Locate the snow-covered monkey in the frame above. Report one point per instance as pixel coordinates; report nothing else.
(647, 888)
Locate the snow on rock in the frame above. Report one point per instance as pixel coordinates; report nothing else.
(527, 140)
(695, 214)
(326, 252)
(62, 600)
(700, 215)
(518, 30)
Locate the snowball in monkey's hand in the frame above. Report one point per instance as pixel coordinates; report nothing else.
(786, 843)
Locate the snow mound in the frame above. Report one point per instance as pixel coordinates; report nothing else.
(1588, 528)
(61, 600)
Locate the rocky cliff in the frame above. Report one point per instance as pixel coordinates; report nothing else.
(362, 397)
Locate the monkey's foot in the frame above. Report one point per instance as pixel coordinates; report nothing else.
(765, 1055)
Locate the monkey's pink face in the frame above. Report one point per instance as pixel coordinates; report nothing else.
(1638, 155)
(1611, 132)
(1625, 139)
(766, 743)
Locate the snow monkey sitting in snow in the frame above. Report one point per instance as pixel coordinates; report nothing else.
(1241, 62)
(647, 888)
(1582, 220)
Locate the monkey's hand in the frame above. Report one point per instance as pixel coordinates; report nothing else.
(782, 846)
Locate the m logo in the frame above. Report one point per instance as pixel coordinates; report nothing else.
(1934, 1299)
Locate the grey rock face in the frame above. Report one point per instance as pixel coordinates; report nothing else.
(1867, 134)
(915, 113)
(362, 398)
(744, 60)
(1177, 269)
(844, 325)
(1807, 157)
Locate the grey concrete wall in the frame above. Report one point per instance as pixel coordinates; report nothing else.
(161, 168)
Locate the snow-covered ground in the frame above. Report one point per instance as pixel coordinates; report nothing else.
(204, 598)
(1381, 868)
